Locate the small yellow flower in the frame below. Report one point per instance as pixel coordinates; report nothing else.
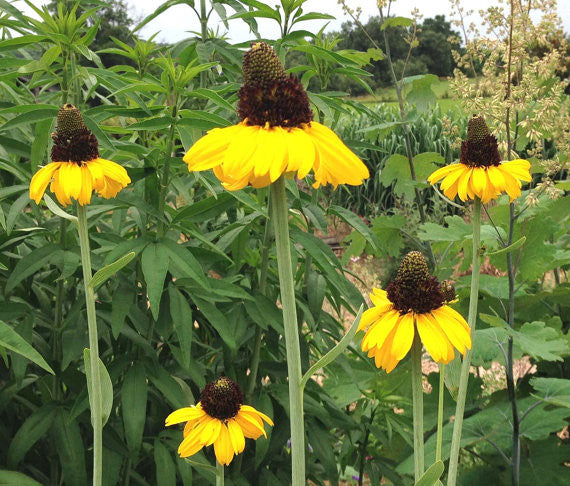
(76, 169)
(413, 301)
(480, 172)
(276, 135)
(219, 418)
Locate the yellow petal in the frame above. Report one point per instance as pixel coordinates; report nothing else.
(41, 179)
(184, 414)
(380, 330)
(252, 429)
(442, 172)
(236, 436)
(70, 179)
(403, 337)
(223, 447)
(463, 183)
(250, 409)
(457, 333)
(301, 152)
(479, 179)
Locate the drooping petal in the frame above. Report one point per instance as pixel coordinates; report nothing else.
(403, 337)
(236, 436)
(442, 172)
(223, 447)
(379, 331)
(41, 179)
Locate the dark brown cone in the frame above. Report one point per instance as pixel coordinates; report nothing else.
(414, 289)
(481, 148)
(72, 140)
(268, 95)
(222, 398)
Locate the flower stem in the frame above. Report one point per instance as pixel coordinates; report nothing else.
(418, 403)
(439, 437)
(219, 474)
(96, 399)
(471, 320)
(286, 284)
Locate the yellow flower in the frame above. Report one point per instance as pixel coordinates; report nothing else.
(76, 169)
(219, 418)
(480, 172)
(413, 302)
(276, 135)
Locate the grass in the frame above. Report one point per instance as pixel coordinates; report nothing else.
(387, 96)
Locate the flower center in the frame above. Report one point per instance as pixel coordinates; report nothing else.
(481, 148)
(268, 95)
(414, 289)
(222, 398)
(72, 140)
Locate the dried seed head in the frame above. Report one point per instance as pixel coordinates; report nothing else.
(221, 398)
(413, 269)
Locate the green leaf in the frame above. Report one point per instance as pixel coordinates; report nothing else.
(513, 246)
(421, 93)
(353, 220)
(540, 342)
(32, 430)
(154, 262)
(55, 209)
(103, 274)
(397, 168)
(552, 390)
(106, 386)
(165, 467)
(181, 315)
(31, 263)
(15, 478)
(30, 117)
(432, 475)
(184, 264)
(392, 22)
(334, 352)
(11, 340)
(69, 447)
(133, 401)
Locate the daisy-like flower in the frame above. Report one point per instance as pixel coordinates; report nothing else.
(76, 169)
(276, 134)
(219, 418)
(480, 172)
(413, 302)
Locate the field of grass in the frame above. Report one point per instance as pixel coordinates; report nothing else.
(387, 96)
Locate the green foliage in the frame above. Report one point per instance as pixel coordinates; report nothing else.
(180, 287)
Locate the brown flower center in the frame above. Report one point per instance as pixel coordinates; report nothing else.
(72, 140)
(481, 148)
(222, 398)
(268, 95)
(414, 289)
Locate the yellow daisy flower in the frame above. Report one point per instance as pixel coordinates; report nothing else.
(276, 134)
(76, 169)
(413, 302)
(219, 418)
(480, 172)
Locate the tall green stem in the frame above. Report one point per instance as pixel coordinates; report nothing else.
(439, 437)
(96, 401)
(166, 168)
(471, 320)
(418, 403)
(281, 226)
(219, 474)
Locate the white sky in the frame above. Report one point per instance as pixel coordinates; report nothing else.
(176, 23)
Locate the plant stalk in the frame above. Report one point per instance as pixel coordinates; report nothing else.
(472, 321)
(219, 474)
(439, 438)
(166, 169)
(418, 404)
(96, 399)
(286, 283)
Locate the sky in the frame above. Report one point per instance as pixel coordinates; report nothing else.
(176, 23)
